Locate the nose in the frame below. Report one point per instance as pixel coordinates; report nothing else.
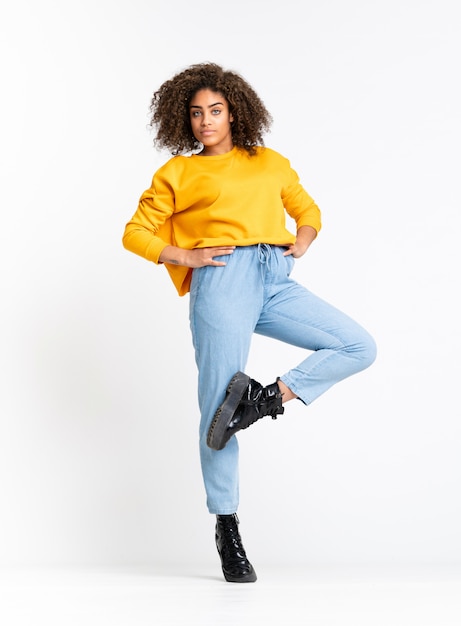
(206, 119)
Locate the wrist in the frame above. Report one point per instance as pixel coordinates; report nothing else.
(173, 255)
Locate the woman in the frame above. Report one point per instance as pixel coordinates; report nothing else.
(215, 216)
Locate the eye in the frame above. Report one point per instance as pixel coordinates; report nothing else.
(216, 111)
(195, 113)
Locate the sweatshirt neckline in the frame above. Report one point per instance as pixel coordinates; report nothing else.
(216, 157)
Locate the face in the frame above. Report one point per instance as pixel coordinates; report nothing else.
(211, 122)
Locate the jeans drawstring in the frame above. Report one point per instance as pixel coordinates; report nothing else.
(264, 258)
(264, 253)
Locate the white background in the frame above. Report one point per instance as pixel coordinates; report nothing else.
(98, 431)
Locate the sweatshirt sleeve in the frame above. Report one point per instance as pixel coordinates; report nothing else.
(299, 204)
(149, 230)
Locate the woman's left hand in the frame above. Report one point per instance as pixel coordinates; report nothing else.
(304, 238)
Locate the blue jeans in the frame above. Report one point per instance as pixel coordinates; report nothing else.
(254, 293)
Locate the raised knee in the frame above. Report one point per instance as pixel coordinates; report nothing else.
(368, 350)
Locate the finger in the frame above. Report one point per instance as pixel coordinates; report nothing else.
(223, 250)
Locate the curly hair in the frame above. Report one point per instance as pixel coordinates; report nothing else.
(171, 116)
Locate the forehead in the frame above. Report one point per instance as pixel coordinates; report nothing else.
(207, 97)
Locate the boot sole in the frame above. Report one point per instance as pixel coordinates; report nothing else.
(225, 412)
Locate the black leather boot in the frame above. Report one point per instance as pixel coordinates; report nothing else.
(246, 401)
(235, 565)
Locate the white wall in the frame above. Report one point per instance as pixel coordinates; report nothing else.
(98, 455)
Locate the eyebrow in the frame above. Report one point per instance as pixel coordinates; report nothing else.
(196, 106)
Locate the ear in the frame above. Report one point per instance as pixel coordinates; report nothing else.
(231, 118)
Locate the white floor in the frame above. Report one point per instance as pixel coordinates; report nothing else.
(284, 596)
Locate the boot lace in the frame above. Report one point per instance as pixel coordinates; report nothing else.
(231, 543)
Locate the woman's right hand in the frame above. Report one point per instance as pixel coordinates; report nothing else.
(198, 257)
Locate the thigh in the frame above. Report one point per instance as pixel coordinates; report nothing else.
(225, 304)
(225, 301)
(296, 316)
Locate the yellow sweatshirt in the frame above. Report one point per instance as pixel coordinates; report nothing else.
(229, 199)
